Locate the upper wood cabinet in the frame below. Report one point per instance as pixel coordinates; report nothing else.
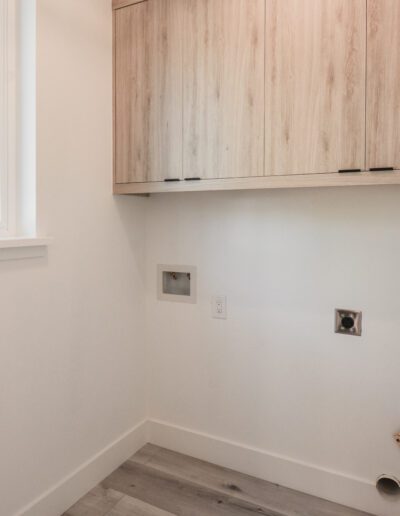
(235, 94)
(223, 88)
(315, 86)
(148, 91)
(383, 84)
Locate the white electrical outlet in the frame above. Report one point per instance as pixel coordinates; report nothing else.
(219, 307)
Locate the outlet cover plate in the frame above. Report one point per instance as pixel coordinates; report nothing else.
(218, 304)
(348, 322)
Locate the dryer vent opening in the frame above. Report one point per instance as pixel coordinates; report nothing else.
(388, 485)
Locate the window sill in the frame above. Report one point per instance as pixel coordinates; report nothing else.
(22, 248)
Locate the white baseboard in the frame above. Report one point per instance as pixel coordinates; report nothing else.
(65, 493)
(332, 485)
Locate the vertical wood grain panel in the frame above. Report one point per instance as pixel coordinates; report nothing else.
(315, 86)
(383, 84)
(148, 91)
(224, 88)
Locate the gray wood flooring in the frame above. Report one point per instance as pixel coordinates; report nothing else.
(159, 482)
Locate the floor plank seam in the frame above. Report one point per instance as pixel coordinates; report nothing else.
(160, 482)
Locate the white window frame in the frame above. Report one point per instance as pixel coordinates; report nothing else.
(8, 117)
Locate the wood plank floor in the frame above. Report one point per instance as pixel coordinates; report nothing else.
(159, 482)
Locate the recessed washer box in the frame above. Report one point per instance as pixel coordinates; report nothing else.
(177, 283)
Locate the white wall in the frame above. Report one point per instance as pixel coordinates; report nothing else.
(71, 336)
(274, 376)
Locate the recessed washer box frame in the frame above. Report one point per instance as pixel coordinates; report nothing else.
(181, 293)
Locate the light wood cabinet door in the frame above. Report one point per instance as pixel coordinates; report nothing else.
(315, 86)
(224, 88)
(148, 91)
(383, 84)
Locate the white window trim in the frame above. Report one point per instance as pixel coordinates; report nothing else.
(18, 239)
(8, 117)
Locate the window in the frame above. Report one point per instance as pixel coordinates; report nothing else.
(18, 228)
(7, 117)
